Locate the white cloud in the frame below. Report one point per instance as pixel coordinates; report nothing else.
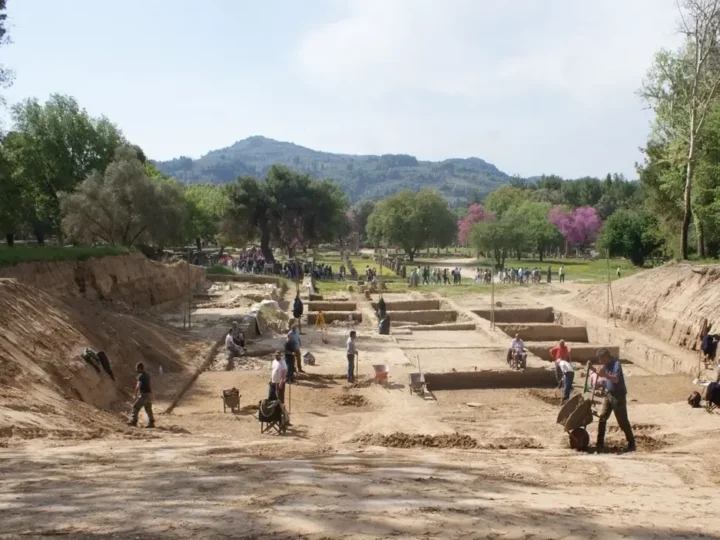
(581, 60)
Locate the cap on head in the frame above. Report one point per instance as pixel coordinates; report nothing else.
(517, 336)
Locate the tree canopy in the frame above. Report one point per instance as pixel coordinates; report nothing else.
(412, 221)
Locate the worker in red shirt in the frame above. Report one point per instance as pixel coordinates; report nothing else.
(560, 352)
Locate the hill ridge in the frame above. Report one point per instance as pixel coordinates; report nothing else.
(362, 176)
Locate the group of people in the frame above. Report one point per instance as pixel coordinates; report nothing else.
(248, 262)
(609, 376)
(434, 276)
(527, 275)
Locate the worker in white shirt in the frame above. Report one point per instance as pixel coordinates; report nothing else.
(516, 345)
(277, 379)
(568, 376)
(351, 352)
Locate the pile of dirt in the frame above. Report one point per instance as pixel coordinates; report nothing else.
(644, 443)
(404, 440)
(671, 303)
(131, 279)
(350, 400)
(47, 389)
(363, 383)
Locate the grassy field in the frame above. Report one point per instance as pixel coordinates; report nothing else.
(20, 254)
(220, 269)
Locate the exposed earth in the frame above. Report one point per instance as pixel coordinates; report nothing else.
(481, 458)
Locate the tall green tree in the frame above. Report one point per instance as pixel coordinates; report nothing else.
(358, 215)
(494, 238)
(55, 147)
(122, 206)
(412, 221)
(632, 234)
(681, 87)
(530, 219)
(206, 205)
(504, 198)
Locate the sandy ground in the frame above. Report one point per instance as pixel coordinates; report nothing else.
(367, 461)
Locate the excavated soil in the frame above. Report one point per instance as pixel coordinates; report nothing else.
(351, 400)
(455, 440)
(551, 397)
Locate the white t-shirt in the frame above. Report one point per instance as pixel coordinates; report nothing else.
(279, 369)
(517, 345)
(565, 366)
(351, 349)
(230, 342)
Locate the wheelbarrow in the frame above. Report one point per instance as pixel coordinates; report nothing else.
(417, 383)
(575, 416)
(381, 373)
(231, 400)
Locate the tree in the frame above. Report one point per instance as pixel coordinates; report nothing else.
(681, 87)
(122, 206)
(630, 234)
(6, 75)
(500, 200)
(412, 221)
(579, 227)
(493, 237)
(358, 216)
(476, 213)
(535, 226)
(206, 205)
(55, 147)
(11, 201)
(249, 214)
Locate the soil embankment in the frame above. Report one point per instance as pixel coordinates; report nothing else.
(50, 312)
(131, 279)
(671, 303)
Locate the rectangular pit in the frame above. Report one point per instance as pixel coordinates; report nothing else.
(410, 305)
(579, 352)
(545, 332)
(518, 315)
(529, 378)
(332, 316)
(332, 306)
(435, 316)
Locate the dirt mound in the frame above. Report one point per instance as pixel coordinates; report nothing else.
(47, 389)
(131, 279)
(671, 303)
(404, 440)
(350, 400)
(455, 440)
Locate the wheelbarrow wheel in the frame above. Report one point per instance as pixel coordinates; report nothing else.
(579, 439)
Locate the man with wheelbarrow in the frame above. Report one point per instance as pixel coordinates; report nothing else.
(615, 400)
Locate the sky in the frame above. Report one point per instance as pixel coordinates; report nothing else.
(532, 86)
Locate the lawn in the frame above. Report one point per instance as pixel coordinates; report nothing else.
(220, 269)
(23, 253)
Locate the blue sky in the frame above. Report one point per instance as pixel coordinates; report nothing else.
(533, 86)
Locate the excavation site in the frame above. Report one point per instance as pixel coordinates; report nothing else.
(437, 435)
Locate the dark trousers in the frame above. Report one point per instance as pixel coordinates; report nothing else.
(568, 379)
(298, 359)
(290, 361)
(562, 278)
(617, 405)
(351, 367)
(143, 401)
(276, 392)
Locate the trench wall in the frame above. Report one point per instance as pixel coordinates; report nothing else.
(579, 352)
(518, 315)
(332, 316)
(529, 378)
(435, 316)
(654, 359)
(410, 305)
(331, 306)
(545, 332)
(132, 279)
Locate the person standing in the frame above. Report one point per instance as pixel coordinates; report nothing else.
(568, 376)
(143, 397)
(298, 309)
(351, 352)
(615, 400)
(294, 338)
(561, 274)
(278, 375)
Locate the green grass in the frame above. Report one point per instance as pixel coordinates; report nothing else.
(220, 269)
(22, 253)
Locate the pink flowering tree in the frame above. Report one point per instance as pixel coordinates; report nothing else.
(476, 214)
(580, 227)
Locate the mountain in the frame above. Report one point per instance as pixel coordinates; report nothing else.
(362, 177)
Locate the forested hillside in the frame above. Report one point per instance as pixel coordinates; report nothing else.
(361, 177)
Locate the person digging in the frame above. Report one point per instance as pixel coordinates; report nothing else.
(143, 397)
(615, 401)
